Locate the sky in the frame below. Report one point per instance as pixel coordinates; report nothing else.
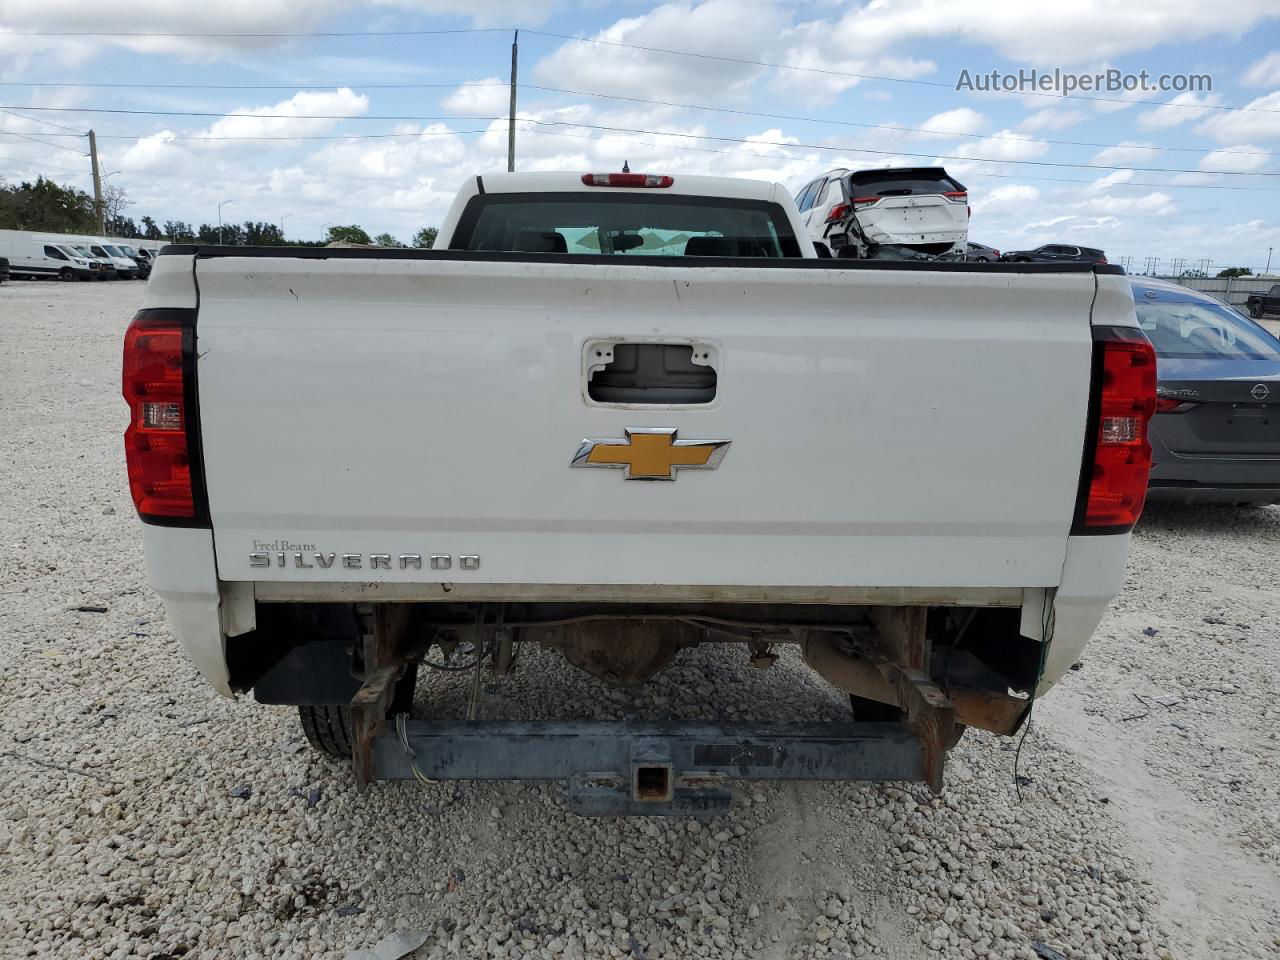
(388, 106)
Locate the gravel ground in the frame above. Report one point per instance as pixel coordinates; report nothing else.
(142, 816)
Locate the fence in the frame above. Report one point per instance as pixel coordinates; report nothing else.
(1230, 290)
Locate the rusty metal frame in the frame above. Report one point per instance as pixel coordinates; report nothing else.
(384, 654)
(905, 652)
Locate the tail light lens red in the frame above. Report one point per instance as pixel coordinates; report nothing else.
(626, 180)
(864, 201)
(1114, 485)
(837, 212)
(161, 444)
(957, 196)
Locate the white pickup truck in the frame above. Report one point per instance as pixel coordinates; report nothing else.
(618, 415)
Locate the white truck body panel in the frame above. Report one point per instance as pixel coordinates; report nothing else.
(892, 433)
(898, 435)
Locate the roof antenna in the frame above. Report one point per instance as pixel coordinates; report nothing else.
(626, 168)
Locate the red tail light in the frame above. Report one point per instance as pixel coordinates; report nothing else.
(626, 180)
(864, 201)
(161, 443)
(837, 212)
(1114, 486)
(957, 196)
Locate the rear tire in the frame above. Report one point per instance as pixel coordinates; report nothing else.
(328, 727)
(66, 275)
(1255, 310)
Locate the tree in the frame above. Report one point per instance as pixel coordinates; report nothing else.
(178, 231)
(386, 240)
(1235, 272)
(426, 237)
(262, 234)
(348, 234)
(1194, 274)
(149, 229)
(114, 200)
(46, 206)
(121, 227)
(229, 234)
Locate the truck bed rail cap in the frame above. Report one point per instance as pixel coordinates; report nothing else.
(768, 263)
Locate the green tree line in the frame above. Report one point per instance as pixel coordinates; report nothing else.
(48, 207)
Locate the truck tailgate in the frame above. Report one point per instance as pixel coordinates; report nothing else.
(886, 427)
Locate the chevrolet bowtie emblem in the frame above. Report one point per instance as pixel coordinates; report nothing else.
(651, 453)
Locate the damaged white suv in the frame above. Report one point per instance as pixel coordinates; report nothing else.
(903, 213)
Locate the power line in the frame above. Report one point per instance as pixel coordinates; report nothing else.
(870, 126)
(251, 116)
(12, 113)
(868, 76)
(14, 133)
(612, 43)
(830, 148)
(333, 136)
(659, 133)
(152, 35)
(891, 153)
(378, 85)
(998, 176)
(36, 163)
(610, 96)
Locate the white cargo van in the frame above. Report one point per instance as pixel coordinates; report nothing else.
(124, 266)
(32, 256)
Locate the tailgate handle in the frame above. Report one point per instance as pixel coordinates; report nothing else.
(651, 373)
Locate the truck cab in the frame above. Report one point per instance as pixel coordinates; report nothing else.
(1261, 304)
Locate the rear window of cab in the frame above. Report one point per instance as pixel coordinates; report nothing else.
(624, 224)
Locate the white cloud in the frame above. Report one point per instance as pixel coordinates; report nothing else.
(1127, 152)
(240, 17)
(1260, 120)
(1111, 179)
(1183, 107)
(727, 28)
(1004, 145)
(1154, 204)
(1044, 33)
(1052, 118)
(1013, 196)
(952, 123)
(1242, 159)
(484, 98)
(287, 118)
(1264, 72)
(483, 13)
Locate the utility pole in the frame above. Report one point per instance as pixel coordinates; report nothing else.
(1267, 269)
(511, 118)
(98, 207)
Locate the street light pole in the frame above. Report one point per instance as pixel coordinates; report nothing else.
(220, 206)
(283, 218)
(1268, 267)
